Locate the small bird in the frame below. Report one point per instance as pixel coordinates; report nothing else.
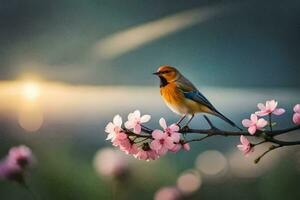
(183, 98)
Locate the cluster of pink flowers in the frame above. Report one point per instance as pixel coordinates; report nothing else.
(254, 123)
(16, 164)
(147, 146)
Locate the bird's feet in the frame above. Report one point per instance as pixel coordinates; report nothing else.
(178, 124)
(185, 128)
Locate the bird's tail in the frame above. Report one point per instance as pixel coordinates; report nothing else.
(220, 115)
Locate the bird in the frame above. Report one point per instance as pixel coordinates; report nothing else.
(183, 98)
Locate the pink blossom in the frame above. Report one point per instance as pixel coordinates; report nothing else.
(14, 166)
(176, 148)
(297, 108)
(186, 146)
(10, 171)
(179, 146)
(142, 155)
(129, 148)
(114, 128)
(152, 154)
(167, 193)
(254, 123)
(120, 139)
(135, 120)
(162, 142)
(171, 130)
(245, 146)
(269, 108)
(21, 156)
(296, 116)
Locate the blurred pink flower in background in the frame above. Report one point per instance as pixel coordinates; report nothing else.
(162, 142)
(14, 166)
(269, 108)
(245, 146)
(110, 163)
(135, 120)
(167, 193)
(296, 116)
(21, 156)
(254, 123)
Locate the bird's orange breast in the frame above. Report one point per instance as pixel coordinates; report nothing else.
(173, 98)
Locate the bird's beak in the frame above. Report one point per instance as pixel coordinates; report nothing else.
(156, 73)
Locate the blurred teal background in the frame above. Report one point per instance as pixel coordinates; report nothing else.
(67, 67)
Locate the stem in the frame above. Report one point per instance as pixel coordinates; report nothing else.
(197, 140)
(270, 122)
(262, 142)
(33, 196)
(273, 147)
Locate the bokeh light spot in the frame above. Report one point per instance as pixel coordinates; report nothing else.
(188, 182)
(211, 162)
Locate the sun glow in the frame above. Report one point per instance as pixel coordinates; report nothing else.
(31, 90)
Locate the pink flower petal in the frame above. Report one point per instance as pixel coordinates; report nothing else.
(117, 120)
(247, 123)
(252, 130)
(163, 123)
(145, 118)
(175, 137)
(142, 155)
(162, 151)
(176, 148)
(253, 118)
(110, 136)
(129, 124)
(186, 146)
(155, 145)
(278, 111)
(157, 134)
(137, 114)
(109, 127)
(261, 106)
(137, 129)
(131, 117)
(244, 140)
(261, 113)
(168, 143)
(297, 108)
(261, 123)
(271, 105)
(174, 127)
(296, 118)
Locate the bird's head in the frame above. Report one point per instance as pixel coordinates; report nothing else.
(168, 73)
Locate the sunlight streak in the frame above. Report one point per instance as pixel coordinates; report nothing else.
(124, 41)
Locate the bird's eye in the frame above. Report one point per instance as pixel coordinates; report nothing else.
(165, 72)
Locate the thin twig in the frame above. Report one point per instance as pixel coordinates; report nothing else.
(273, 147)
(197, 139)
(33, 196)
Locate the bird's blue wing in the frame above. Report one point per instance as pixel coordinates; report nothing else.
(191, 92)
(199, 98)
